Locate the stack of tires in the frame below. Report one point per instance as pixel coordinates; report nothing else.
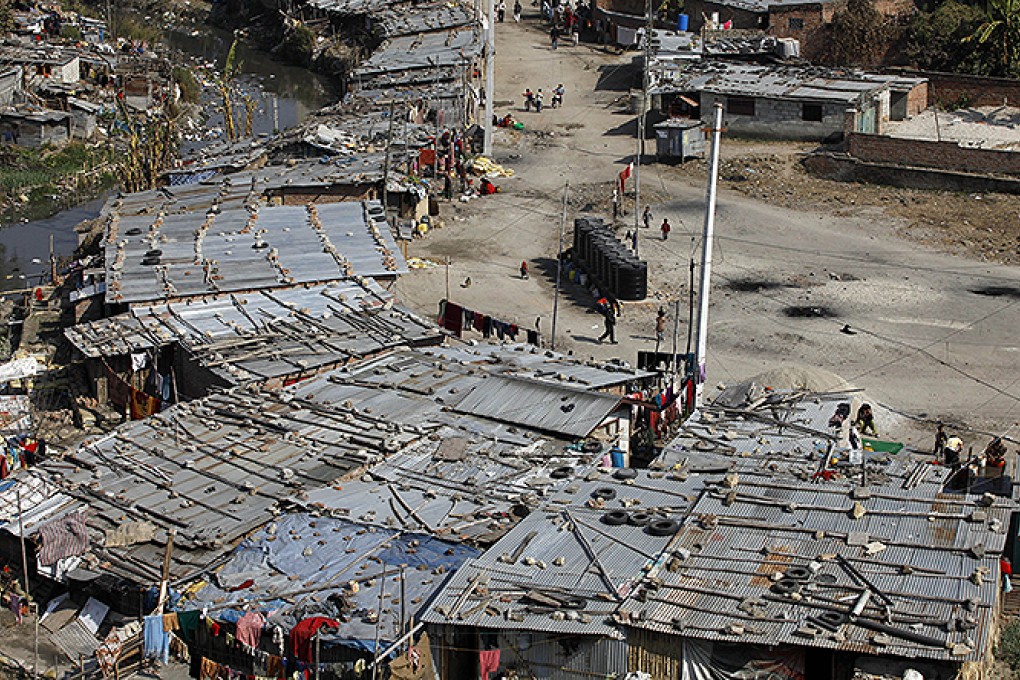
(610, 263)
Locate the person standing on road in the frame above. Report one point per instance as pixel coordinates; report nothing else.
(633, 241)
(517, 11)
(610, 317)
(660, 328)
(529, 98)
(538, 101)
(501, 11)
(524, 270)
(554, 35)
(616, 204)
(646, 217)
(665, 228)
(557, 99)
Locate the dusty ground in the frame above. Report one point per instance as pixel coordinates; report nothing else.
(917, 276)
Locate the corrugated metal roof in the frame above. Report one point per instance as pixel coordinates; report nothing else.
(168, 255)
(459, 487)
(565, 550)
(528, 361)
(538, 405)
(801, 83)
(718, 582)
(437, 16)
(246, 337)
(429, 56)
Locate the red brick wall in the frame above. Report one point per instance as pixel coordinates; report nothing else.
(917, 100)
(950, 88)
(932, 154)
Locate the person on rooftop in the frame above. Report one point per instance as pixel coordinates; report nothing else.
(865, 420)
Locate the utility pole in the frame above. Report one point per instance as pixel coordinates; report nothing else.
(706, 257)
(559, 265)
(490, 75)
(643, 114)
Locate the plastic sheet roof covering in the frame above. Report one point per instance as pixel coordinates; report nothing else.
(453, 49)
(564, 551)
(785, 438)
(528, 361)
(808, 83)
(436, 16)
(303, 565)
(246, 337)
(719, 581)
(456, 486)
(165, 256)
(214, 469)
(473, 391)
(41, 501)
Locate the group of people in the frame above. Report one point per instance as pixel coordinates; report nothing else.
(536, 100)
(501, 11)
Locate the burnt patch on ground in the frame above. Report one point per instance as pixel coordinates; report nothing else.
(751, 285)
(807, 312)
(998, 291)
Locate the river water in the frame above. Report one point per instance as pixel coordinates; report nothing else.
(284, 94)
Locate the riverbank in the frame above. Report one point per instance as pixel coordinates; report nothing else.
(38, 183)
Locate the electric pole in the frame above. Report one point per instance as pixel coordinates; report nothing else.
(706, 257)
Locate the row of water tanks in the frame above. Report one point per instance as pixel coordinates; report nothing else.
(616, 271)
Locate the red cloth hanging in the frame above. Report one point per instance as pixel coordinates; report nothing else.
(301, 636)
(488, 662)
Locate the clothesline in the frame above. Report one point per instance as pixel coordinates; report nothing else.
(456, 319)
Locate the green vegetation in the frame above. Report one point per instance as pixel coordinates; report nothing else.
(980, 37)
(185, 79)
(127, 24)
(6, 17)
(70, 33)
(1008, 649)
(73, 173)
(1001, 27)
(938, 41)
(152, 145)
(298, 45)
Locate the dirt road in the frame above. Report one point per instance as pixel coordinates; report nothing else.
(931, 333)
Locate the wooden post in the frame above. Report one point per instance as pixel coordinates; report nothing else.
(403, 600)
(164, 584)
(378, 621)
(447, 278)
(318, 651)
(24, 553)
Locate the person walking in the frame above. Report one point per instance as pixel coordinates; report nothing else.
(501, 11)
(517, 11)
(524, 270)
(633, 241)
(538, 101)
(646, 217)
(665, 228)
(557, 100)
(554, 35)
(529, 98)
(609, 314)
(660, 328)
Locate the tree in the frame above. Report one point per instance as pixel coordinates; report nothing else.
(858, 35)
(938, 41)
(1001, 27)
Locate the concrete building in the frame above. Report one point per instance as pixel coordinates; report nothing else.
(10, 86)
(35, 129)
(785, 102)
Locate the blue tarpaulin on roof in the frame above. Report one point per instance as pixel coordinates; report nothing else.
(302, 565)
